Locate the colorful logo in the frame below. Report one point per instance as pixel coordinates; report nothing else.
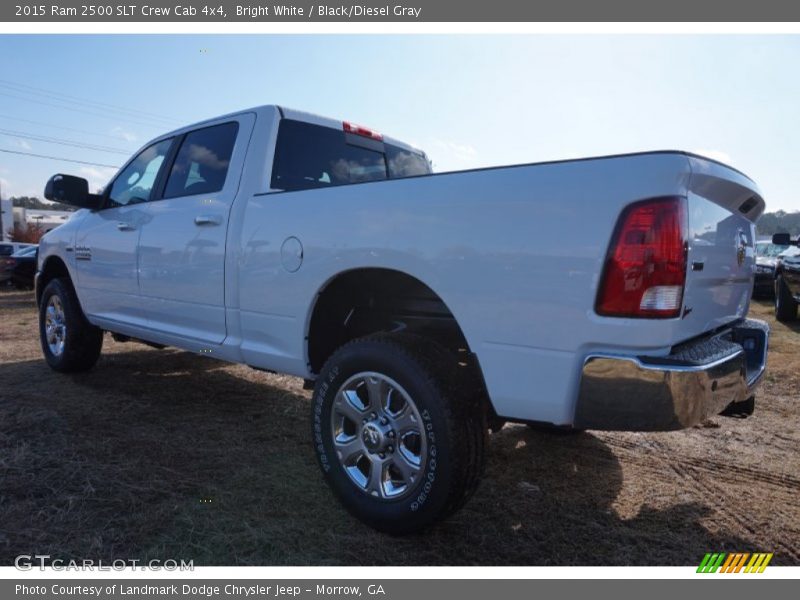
(734, 562)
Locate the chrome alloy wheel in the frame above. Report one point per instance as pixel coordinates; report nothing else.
(55, 326)
(378, 435)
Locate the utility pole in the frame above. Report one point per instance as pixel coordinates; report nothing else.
(6, 217)
(2, 230)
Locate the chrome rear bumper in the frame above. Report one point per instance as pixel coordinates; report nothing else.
(698, 380)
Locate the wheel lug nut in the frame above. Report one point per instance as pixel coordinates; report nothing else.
(391, 434)
(391, 448)
(382, 455)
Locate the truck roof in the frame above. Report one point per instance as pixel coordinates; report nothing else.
(290, 113)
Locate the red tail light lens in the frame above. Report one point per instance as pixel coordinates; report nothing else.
(645, 271)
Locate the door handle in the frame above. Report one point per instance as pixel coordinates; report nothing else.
(125, 226)
(207, 220)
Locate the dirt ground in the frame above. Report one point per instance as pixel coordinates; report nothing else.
(164, 454)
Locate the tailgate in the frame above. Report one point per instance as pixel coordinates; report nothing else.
(723, 205)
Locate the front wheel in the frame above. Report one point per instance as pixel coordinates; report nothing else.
(398, 435)
(785, 304)
(69, 342)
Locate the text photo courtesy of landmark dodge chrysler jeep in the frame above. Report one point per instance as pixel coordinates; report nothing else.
(605, 293)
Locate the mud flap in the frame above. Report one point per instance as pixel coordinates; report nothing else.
(740, 410)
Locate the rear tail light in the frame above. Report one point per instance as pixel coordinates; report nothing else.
(645, 270)
(362, 131)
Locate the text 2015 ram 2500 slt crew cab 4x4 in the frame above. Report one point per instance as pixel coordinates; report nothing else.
(606, 293)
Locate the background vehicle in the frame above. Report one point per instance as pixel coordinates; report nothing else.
(787, 279)
(605, 293)
(766, 262)
(22, 267)
(7, 249)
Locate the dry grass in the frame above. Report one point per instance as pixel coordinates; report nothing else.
(163, 454)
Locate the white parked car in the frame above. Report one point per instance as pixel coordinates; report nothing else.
(605, 293)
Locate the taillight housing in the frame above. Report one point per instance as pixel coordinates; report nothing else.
(645, 270)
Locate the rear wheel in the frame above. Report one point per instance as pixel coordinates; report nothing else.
(785, 304)
(69, 342)
(399, 437)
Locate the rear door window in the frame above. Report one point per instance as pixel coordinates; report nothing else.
(313, 156)
(405, 163)
(201, 164)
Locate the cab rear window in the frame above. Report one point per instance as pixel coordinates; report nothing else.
(312, 156)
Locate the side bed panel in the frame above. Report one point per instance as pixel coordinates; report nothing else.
(514, 252)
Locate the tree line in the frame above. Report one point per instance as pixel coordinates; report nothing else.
(779, 222)
(34, 203)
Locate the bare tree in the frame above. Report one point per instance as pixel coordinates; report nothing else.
(26, 235)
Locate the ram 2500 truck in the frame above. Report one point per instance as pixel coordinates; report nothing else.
(606, 293)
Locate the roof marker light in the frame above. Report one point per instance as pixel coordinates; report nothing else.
(362, 131)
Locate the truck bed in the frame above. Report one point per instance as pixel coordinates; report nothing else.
(515, 253)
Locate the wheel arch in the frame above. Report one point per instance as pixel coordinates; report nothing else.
(364, 300)
(52, 267)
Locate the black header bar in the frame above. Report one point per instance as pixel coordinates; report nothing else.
(411, 11)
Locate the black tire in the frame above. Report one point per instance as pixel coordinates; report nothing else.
(453, 421)
(82, 340)
(785, 304)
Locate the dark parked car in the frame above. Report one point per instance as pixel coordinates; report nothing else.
(766, 265)
(21, 267)
(7, 250)
(787, 280)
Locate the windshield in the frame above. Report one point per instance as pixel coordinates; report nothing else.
(792, 251)
(26, 251)
(769, 249)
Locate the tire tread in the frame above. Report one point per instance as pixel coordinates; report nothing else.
(463, 405)
(84, 340)
(785, 304)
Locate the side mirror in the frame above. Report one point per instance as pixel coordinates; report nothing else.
(782, 239)
(72, 190)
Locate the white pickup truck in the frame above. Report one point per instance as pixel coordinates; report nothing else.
(605, 293)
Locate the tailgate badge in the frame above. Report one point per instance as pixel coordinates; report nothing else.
(741, 249)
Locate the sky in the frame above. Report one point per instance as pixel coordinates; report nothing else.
(467, 100)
